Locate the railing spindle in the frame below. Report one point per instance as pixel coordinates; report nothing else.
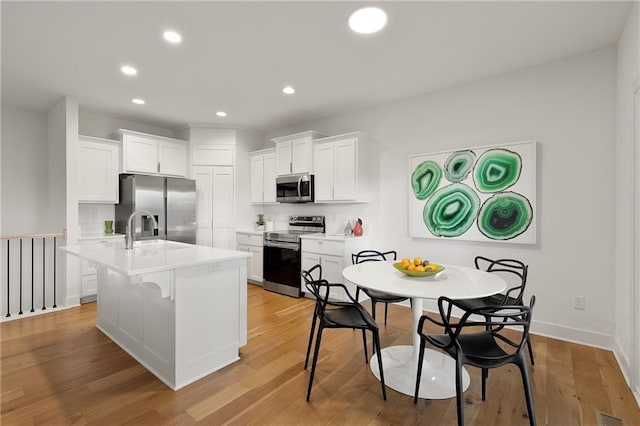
(32, 275)
(20, 312)
(43, 274)
(54, 272)
(8, 277)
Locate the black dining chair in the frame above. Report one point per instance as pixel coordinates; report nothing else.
(515, 273)
(335, 314)
(484, 344)
(374, 295)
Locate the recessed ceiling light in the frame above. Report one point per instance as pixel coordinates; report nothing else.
(129, 70)
(172, 37)
(221, 114)
(288, 90)
(368, 20)
(138, 101)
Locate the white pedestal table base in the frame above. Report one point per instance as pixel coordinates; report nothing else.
(400, 364)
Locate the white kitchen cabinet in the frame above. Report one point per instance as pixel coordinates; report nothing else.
(333, 254)
(294, 154)
(153, 155)
(342, 170)
(98, 168)
(263, 176)
(215, 201)
(213, 155)
(252, 243)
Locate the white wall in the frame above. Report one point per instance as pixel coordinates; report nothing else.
(103, 126)
(567, 106)
(627, 292)
(24, 172)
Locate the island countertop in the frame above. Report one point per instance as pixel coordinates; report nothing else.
(151, 255)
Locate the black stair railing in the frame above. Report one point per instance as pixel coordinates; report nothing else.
(42, 273)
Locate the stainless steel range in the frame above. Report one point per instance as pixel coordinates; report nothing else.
(282, 254)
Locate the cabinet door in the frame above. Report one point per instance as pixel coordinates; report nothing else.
(257, 179)
(173, 159)
(269, 178)
(307, 261)
(255, 264)
(98, 172)
(141, 155)
(89, 285)
(204, 216)
(323, 171)
(332, 272)
(212, 155)
(300, 155)
(345, 170)
(283, 158)
(223, 207)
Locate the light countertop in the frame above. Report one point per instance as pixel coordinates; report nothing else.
(151, 255)
(334, 237)
(250, 231)
(99, 236)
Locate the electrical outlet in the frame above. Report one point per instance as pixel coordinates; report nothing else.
(580, 303)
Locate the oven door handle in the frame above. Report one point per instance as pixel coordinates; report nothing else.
(289, 246)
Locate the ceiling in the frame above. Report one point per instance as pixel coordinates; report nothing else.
(237, 56)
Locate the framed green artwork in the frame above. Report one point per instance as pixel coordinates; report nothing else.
(475, 194)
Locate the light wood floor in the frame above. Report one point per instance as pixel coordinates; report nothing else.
(58, 369)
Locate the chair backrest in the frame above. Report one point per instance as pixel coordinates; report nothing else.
(373, 255)
(513, 271)
(499, 321)
(313, 281)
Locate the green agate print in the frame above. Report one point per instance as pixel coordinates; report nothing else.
(451, 210)
(497, 170)
(504, 216)
(425, 179)
(459, 165)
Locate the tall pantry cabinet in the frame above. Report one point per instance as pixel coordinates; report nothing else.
(214, 173)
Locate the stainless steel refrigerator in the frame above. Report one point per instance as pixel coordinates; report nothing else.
(171, 200)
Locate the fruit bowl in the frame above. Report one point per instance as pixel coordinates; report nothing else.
(398, 266)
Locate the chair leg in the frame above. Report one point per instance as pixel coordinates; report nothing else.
(420, 359)
(530, 350)
(485, 373)
(376, 340)
(364, 341)
(315, 360)
(373, 308)
(386, 308)
(459, 406)
(357, 294)
(524, 371)
(313, 329)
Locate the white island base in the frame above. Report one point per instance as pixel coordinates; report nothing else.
(180, 310)
(177, 323)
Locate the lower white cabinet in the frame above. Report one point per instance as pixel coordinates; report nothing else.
(98, 167)
(215, 202)
(89, 279)
(333, 255)
(252, 243)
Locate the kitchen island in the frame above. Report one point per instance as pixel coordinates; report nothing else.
(178, 309)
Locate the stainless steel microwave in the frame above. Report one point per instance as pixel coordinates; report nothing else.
(294, 189)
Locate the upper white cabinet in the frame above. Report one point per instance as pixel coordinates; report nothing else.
(213, 155)
(293, 153)
(263, 176)
(341, 165)
(153, 155)
(98, 167)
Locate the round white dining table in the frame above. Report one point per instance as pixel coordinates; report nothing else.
(400, 362)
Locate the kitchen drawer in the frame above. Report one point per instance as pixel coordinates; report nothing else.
(323, 246)
(249, 239)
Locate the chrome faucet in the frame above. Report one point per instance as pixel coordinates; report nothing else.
(128, 236)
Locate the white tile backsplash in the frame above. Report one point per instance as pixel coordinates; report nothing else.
(92, 216)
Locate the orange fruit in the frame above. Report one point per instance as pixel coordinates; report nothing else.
(405, 260)
(417, 261)
(411, 267)
(419, 268)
